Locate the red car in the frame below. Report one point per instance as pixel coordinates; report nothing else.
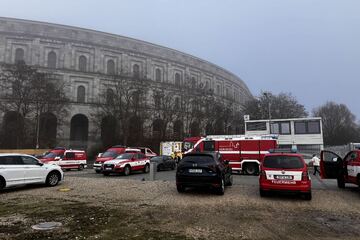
(284, 172)
(126, 163)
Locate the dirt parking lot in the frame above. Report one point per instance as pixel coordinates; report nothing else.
(120, 208)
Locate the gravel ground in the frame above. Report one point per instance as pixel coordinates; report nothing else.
(156, 207)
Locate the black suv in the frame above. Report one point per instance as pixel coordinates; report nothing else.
(203, 169)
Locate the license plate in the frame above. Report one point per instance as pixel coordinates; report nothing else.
(283, 182)
(195, 170)
(284, 177)
(108, 168)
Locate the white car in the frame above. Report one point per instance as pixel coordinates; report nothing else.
(22, 169)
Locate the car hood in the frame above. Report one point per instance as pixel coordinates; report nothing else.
(103, 159)
(117, 161)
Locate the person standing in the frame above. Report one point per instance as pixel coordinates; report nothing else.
(316, 164)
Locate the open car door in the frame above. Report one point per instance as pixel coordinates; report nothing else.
(330, 164)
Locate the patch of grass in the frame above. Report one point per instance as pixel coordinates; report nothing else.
(80, 221)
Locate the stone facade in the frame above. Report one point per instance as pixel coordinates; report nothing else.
(83, 58)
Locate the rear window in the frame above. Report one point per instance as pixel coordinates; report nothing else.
(112, 154)
(285, 162)
(198, 159)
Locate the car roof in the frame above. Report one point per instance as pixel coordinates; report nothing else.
(284, 154)
(213, 154)
(132, 149)
(14, 154)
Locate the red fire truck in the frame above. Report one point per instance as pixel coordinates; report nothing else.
(245, 153)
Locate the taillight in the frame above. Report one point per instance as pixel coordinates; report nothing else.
(262, 174)
(305, 176)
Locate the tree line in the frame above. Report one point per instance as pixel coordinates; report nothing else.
(134, 110)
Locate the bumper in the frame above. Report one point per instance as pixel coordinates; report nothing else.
(113, 170)
(299, 186)
(200, 181)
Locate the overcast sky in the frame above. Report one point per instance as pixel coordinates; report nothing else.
(310, 48)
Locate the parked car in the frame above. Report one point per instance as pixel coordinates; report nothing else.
(110, 154)
(147, 151)
(203, 169)
(164, 162)
(126, 163)
(345, 170)
(22, 169)
(66, 159)
(284, 172)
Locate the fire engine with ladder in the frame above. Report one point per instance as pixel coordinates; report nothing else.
(244, 153)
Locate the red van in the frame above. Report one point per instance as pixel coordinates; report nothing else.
(66, 159)
(111, 154)
(284, 172)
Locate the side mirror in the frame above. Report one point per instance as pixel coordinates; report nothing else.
(40, 164)
(99, 155)
(57, 158)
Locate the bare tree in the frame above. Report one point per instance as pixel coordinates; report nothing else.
(339, 124)
(280, 106)
(125, 101)
(30, 94)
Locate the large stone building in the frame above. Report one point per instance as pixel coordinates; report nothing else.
(84, 59)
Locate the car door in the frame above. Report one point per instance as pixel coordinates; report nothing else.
(330, 165)
(168, 162)
(350, 162)
(34, 172)
(12, 170)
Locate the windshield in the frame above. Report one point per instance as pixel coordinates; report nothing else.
(125, 156)
(52, 155)
(109, 154)
(283, 162)
(198, 159)
(188, 145)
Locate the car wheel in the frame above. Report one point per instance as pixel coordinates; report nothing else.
(252, 169)
(127, 170)
(52, 179)
(147, 168)
(230, 181)
(341, 181)
(98, 171)
(221, 189)
(106, 173)
(263, 193)
(307, 196)
(81, 167)
(180, 188)
(2, 183)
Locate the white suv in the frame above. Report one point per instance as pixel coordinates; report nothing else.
(21, 169)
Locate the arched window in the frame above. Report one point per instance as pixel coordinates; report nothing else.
(82, 63)
(51, 61)
(136, 71)
(158, 75)
(177, 79)
(81, 94)
(109, 96)
(110, 67)
(19, 55)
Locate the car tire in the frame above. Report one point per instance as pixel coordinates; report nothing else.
(98, 171)
(147, 168)
(221, 190)
(341, 181)
(2, 183)
(106, 173)
(81, 167)
(307, 196)
(230, 182)
(127, 170)
(52, 179)
(252, 169)
(263, 193)
(180, 188)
